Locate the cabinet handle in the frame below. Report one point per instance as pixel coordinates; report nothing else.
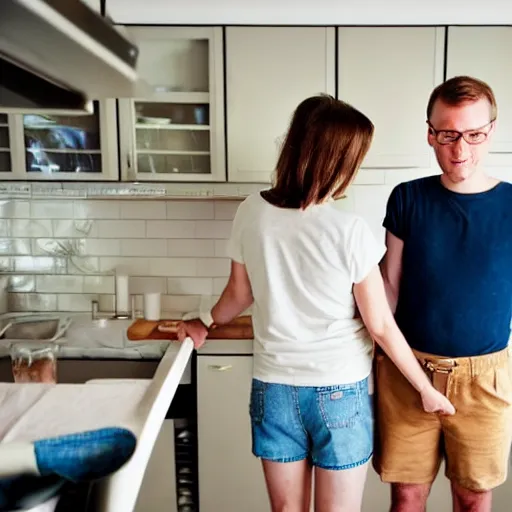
(128, 161)
(220, 367)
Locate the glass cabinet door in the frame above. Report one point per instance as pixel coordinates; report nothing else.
(5, 147)
(176, 133)
(60, 146)
(72, 147)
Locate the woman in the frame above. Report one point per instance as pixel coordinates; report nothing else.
(306, 267)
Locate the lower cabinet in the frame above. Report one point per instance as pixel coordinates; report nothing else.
(230, 477)
(158, 490)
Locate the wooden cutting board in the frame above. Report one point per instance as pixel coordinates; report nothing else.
(238, 329)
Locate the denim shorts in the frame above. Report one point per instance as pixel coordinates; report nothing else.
(331, 426)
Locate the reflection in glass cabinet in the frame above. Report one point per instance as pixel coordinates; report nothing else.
(62, 143)
(172, 138)
(176, 133)
(60, 146)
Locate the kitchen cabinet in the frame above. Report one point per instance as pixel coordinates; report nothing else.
(47, 146)
(485, 53)
(230, 477)
(388, 73)
(158, 489)
(269, 71)
(7, 153)
(175, 132)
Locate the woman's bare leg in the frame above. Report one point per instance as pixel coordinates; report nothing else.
(288, 485)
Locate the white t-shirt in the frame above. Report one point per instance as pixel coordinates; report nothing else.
(302, 265)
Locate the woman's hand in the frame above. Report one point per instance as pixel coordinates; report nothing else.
(434, 401)
(194, 329)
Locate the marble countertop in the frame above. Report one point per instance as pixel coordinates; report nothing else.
(106, 338)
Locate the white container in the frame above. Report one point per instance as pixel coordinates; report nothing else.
(122, 295)
(152, 306)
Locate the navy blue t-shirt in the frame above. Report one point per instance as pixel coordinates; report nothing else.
(455, 295)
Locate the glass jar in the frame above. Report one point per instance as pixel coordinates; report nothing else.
(34, 363)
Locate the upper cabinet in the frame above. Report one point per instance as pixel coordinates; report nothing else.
(5, 147)
(486, 53)
(388, 73)
(60, 147)
(269, 71)
(175, 132)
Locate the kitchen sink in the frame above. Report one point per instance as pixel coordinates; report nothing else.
(33, 327)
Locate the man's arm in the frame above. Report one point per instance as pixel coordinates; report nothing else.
(391, 268)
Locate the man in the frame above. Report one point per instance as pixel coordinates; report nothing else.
(448, 273)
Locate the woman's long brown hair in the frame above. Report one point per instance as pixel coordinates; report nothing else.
(323, 149)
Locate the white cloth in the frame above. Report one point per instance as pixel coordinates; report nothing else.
(302, 265)
(29, 412)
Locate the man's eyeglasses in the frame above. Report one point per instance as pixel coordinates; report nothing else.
(476, 136)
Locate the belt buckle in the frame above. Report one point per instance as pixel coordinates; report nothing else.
(440, 366)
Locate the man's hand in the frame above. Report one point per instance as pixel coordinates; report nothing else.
(194, 329)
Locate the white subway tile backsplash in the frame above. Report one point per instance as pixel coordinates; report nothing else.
(22, 283)
(171, 267)
(74, 228)
(6, 263)
(32, 302)
(143, 210)
(31, 228)
(97, 209)
(121, 228)
(98, 284)
(170, 229)
(213, 267)
(62, 254)
(225, 210)
(184, 247)
(57, 246)
(221, 248)
(184, 303)
(102, 246)
(149, 247)
(45, 264)
(213, 229)
(13, 209)
(190, 286)
(15, 246)
(4, 228)
(83, 265)
(106, 303)
(59, 284)
(75, 302)
(190, 209)
(51, 209)
(130, 266)
(141, 285)
(219, 283)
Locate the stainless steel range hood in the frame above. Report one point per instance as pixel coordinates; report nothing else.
(59, 55)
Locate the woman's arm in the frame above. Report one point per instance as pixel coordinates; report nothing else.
(372, 302)
(235, 299)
